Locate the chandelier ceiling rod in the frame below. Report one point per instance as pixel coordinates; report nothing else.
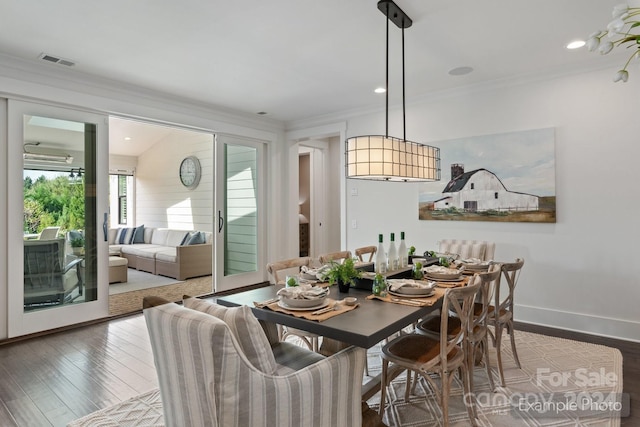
(378, 157)
(393, 13)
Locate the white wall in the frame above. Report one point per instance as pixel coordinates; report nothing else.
(580, 273)
(161, 200)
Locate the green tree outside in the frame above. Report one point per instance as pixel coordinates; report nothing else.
(55, 202)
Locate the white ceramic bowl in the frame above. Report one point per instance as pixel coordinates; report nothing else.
(350, 300)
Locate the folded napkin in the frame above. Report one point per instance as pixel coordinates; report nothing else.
(396, 284)
(304, 291)
(319, 273)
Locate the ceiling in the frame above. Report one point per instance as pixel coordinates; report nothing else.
(300, 59)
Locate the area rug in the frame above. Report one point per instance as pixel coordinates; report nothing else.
(138, 280)
(554, 370)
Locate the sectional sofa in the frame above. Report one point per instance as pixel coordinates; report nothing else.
(181, 254)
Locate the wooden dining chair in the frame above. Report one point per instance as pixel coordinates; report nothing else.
(334, 256)
(278, 271)
(501, 314)
(477, 343)
(371, 250)
(442, 355)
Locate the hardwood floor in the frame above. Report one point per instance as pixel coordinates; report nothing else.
(52, 379)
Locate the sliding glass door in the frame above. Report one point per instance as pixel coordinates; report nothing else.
(239, 211)
(57, 181)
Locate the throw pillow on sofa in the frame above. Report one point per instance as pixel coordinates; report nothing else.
(123, 236)
(196, 238)
(138, 235)
(246, 329)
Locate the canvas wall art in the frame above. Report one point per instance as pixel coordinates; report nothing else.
(508, 177)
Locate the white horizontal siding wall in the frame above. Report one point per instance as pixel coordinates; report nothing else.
(161, 199)
(241, 198)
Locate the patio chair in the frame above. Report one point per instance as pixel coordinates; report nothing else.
(47, 279)
(49, 233)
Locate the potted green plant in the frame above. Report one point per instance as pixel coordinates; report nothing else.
(77, 245)
(343, 274)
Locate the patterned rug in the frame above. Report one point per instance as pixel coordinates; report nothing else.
(556, 374)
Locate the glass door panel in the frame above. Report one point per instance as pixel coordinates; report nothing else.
(61, 229)
(239, 258)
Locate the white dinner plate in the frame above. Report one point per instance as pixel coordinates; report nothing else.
(400, 294)
(315, 307)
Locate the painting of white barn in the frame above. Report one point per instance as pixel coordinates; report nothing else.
(507, 177)
(481, 190)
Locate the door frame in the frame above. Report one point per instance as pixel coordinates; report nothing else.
(20, 322)
(222, 282)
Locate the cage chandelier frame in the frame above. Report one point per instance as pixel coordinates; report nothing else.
(382, 157)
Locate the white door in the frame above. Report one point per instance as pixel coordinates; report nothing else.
(239, 211)
(58, 176)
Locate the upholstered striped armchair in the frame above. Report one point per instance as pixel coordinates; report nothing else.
(207, 380)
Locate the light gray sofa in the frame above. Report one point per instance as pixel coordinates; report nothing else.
(164, 251)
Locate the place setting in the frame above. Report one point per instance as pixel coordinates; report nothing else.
(444, 277)
(309, 302)
(411, 292)
(473, 265)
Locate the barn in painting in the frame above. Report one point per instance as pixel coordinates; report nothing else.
(481, 190)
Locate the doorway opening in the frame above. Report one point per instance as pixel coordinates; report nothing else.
(154, 215)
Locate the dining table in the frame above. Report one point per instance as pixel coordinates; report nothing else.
(372, 321)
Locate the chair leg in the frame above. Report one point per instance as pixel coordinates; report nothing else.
(383, 386)
(499, 354)
(513, 344)
(467, 386)
(409, 387)
(487, 364)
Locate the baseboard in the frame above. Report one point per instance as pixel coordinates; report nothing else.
(579, 322)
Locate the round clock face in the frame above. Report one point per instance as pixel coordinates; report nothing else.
(190, 172)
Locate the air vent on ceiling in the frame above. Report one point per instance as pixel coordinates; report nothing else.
(56, 60)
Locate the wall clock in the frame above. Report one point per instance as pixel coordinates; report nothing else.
(190, 172)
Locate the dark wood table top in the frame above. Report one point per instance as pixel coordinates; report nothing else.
(367, 325)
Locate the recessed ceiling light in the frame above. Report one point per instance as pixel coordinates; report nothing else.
(127, 138)
(576, 44)
(460, 71)
(380, 90)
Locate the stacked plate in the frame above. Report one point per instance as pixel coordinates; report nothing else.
(303, 297)
(408, 287)
(442, 274)
(474, 265)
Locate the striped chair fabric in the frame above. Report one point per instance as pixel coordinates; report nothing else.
(469, 248)
(206, 380)
(245, 328)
